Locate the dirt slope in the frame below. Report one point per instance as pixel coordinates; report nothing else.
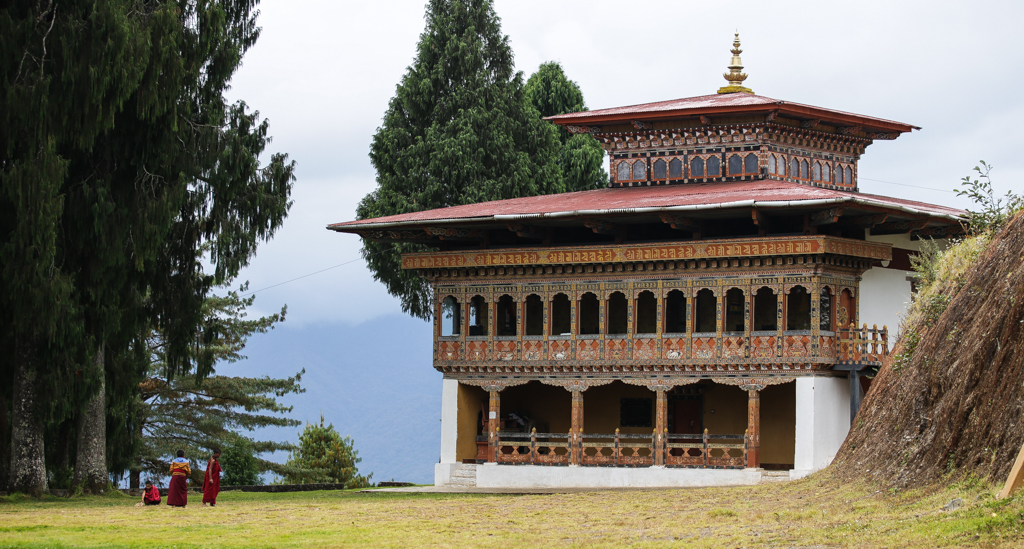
(956, 402)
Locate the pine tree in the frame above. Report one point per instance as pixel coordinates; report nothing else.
(199, 415)
(324, 456)
(580, 156)
(459, 130)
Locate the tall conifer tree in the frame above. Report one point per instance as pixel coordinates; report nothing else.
(459, 130)
(580, 156)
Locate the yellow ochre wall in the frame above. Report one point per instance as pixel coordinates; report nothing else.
(549, 407)
(778, 417)
(601, 405)
(469, 400)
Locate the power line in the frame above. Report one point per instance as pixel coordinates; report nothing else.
(907, 185)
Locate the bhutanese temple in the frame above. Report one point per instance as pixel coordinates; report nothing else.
(706, 319)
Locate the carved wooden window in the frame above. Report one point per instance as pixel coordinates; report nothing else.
(798, 309)
(706, 312)
(771, 163)
(714, 166)
(697, 167)
(735, 164)
(505, 317)
(639, 170)
(803, 169)
(590, 319)
(618, 316)
(839, 175)
(750, 164)
(825, 308)
(794, 170)
(826, 173)
(734, 310)
(675, 169)
(534, 321)
(561, 315)
(816, 171)
(477, 316)
(646, 313)
(451, 317)
(635, 412)
(622, 171)
(782, 165)
(675, 312)
(660, 169)
(847, 313)
(765, 310)
(849, 176)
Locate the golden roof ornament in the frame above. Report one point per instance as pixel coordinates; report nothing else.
(735, 76)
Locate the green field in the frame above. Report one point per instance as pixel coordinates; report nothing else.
(814, 512)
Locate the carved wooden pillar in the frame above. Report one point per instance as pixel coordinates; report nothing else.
(660, 425)
(754, 428)
(576, 431)
(493, 421)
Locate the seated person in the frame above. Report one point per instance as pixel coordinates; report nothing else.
(150, 496)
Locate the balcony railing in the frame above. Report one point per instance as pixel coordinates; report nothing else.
(617, 450)
(863, 345)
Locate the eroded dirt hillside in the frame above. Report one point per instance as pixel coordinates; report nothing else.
(951, 396)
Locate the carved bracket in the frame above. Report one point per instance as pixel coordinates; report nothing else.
(848, 130)
(523, 230)
(810, 123)
(677, 221)
(867, 221)
(885, 136)
(663, 384)
(642, 125)
(602, 227)
(494, 384)
(826, 217)
(576, 385)
(898, 227)
(452, 234)
(584, 129)
(752, 383)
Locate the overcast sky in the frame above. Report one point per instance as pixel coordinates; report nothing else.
(323, 73)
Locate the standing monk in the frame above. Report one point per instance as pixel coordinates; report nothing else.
(211, 482)
(177, 491)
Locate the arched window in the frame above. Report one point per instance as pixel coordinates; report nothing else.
(477, 316)
(782, 165)
(826, 173)
(534, 321)
(561, 315)
(660, 169)
(849, 176)
(794, 170)
(675, 312)
(839, 175)
(639, 170)
(714, 166)
(734, 310)
(735, 165)
(646, 313)
(847, 313)
(675, 169)
(765, 310)
(451, 317)
(803, 169)
(817, 171)
(617, 314)
(750, 163)
(798, 309)
(622, 171)
(590, 319)
(771, 163)
(705, 313)
(505, 319)
(697, 167)
(825, 308)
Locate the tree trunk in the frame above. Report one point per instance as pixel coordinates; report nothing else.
(28, 466)
(91, 449)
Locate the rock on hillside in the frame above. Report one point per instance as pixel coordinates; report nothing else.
(951, 396)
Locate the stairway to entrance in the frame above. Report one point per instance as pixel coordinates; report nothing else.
(463, 476)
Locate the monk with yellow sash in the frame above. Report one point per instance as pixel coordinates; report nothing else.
(177, 491)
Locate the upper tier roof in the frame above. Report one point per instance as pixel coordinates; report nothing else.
(665, 198)
(726, 104)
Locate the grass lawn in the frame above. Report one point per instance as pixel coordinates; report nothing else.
(815, 512)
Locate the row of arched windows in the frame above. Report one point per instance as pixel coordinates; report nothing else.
(700, 166)
(811, 170)
(764, 313)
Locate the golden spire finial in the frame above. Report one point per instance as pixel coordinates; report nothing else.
(735, 76)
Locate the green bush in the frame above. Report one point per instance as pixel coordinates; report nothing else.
(241, 467)
(324, 456)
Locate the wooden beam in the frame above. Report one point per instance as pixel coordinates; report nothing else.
(898, 227)
(761, 220)
(523, 230)
(604, 227)
(826, 217)
(807, 124)
(865, 221)
(1016, 478)
(446, 233)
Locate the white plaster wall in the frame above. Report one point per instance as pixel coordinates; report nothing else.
(443, 473)
(449, 419)
(884, 298)
(822, 422)
(543, 476)
(897, 240)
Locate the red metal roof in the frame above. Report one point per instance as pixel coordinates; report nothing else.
(726, 103)
(685, 197)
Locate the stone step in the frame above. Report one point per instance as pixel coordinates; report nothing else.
(774, 476)
(464, 476)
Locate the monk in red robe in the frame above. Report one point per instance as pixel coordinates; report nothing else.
(150, 496)
(211, 482)
(177, 491)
